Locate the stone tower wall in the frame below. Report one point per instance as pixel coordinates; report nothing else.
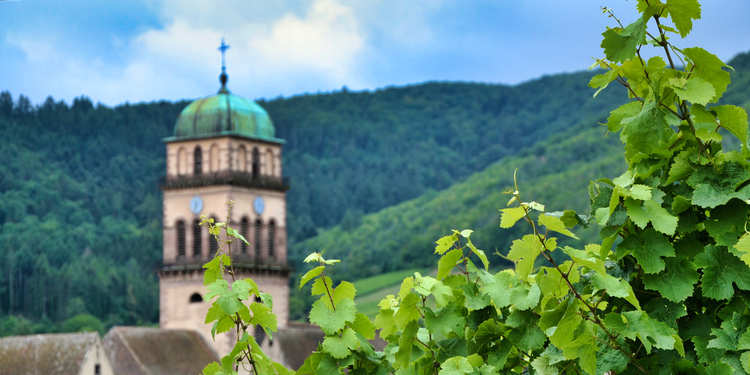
(182, 277)
(178, 312)
(221, 154)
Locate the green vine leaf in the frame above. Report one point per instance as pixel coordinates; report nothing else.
(734, 119)
(244, 288)
(406, 345)
(386, 323)
(450, 320)
(743, 247)
(505, 289)
(311, 274)
(745, 360)
(444, 243)
(709, 68)
(511, 215)
(709, 195)
(555, 224)
(615, 287)
(341, 346)
(263, 317)
(364, 326)
(447, 262)
(332, 321)
(320, 286)
(637, 324)
(676, 282)
(479, 253)
(407, 311)
(649, 248)
(213, 269)
(695, 90)
(620, 44)
(720, 270)
(456, 366)
(345, 290)
(524, 252)
(617, 116)
(683, 12)
(574, 336)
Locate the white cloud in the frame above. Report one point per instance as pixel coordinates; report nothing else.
(179, 42)
(401, 22)
(35, 48)
(287, 47)
(323, 45)
(326, 40)
(283, 54)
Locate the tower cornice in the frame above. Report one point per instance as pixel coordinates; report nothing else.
(234, 178)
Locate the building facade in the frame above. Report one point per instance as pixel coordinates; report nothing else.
(223, 150)
(54, 354)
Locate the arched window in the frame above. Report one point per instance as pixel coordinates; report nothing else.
(258, 240)
(197, 239)
(270, 162)
(242, 159)
(256, 163)
(180, 238)
(214, 156)
(196, 298)
(244, 229)
(181, 161)
(197, 160)
(213, 246)
(271, 239)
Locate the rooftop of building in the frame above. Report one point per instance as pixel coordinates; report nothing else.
(48, 354)
(155, 351)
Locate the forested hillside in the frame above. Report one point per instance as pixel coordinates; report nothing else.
(80, 207)
(403, 235)
(80, 213)
(350, 154)
(554, 171)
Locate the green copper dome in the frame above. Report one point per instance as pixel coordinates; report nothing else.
(224, 114)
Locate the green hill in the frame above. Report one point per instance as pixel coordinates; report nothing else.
(79, 199)
(370, 290)
(353, 153)
(555, 171)
(80, 211)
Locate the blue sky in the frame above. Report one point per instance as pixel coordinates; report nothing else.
(143, 50)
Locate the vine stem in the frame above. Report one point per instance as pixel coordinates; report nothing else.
(595, 317)
(682, 105)
(225, 247)
(663, 42)
(328, 291)
(436, 363)
(625, 83)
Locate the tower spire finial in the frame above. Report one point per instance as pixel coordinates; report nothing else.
(223, 77)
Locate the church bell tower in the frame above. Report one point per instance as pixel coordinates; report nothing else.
(223, 149)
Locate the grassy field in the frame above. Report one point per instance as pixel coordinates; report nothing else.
(372, 289)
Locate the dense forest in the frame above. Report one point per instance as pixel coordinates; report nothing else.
(80, 206)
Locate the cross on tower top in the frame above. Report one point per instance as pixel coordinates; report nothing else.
(223, 48)
(223, 77)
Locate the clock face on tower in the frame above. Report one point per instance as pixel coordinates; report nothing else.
(259, 205)
(196, 204)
